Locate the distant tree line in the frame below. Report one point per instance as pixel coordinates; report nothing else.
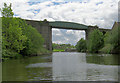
(97, 42)
(62, 47)
(18, 38)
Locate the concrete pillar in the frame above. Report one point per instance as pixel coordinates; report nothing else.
(86, 34)
(45, 30)
(90, 29)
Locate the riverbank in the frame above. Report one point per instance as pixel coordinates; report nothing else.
(58, 50)
(21, 56)
(65, 50)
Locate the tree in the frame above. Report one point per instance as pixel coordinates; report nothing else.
(34, 42)
(111, 41)
(95, 41)
(7, 11)
(18, 38)
(12, 36)
(81, 45)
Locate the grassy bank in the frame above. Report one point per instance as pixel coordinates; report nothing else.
(58, 50)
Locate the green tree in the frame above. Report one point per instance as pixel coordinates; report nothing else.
(34, 42)
(13, 38)
(112, 41)
(7, 11)
(95, 41)
(81, 45)
(18, 37)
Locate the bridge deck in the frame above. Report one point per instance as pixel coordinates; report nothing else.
(67, 25)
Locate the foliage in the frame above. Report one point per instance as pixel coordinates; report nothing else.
(18, 37)
(95, 41)
(111, 41)
(34, 41)
(8, 53)
(7, 11)
(61, 47)
(107, 48)
(12, 35)
(58, 50)
(81, 45)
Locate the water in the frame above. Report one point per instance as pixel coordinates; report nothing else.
(63, 66)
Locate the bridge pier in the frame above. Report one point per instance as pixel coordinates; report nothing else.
(45, 30)
(90, 29)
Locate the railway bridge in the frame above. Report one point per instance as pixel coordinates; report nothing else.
(45, 29)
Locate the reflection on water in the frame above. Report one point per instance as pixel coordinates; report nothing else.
(29, 69)
(39, 65)
(62, 66)
(67, 68)
(76, 67)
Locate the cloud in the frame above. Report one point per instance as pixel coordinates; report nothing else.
(89, 12)
(67, 36)
(84, 13)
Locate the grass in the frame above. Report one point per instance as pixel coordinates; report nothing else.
(58, 50)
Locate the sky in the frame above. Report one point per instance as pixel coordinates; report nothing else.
(102, 13)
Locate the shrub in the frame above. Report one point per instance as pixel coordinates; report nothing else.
(111, 41)
(81, 45)
(34, 42)
(95, 41)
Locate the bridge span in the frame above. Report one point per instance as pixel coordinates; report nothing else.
(45, 29)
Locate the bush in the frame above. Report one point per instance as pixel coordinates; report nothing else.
(18, 37)
(81, 45)
(95, 41)
(12, 36)
(8, 53)
(34, 42)
(107, 49)
(111, 41)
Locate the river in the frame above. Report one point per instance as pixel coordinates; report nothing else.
(62, 66)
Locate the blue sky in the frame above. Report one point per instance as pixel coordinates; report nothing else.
(50, 0)
(88, 12)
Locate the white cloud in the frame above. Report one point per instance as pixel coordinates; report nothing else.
(67, 36)
(89, 12)
(69, 32)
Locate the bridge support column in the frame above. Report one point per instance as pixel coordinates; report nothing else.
(86, 34)
(45, 30)
(90, 29)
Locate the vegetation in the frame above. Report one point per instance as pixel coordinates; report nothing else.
(58, 50)
(7, 11)
(81, 45)
(34, 42)
(13, 40)
(61, 47)
(111, 41)
(95, 41)
(18, 38)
